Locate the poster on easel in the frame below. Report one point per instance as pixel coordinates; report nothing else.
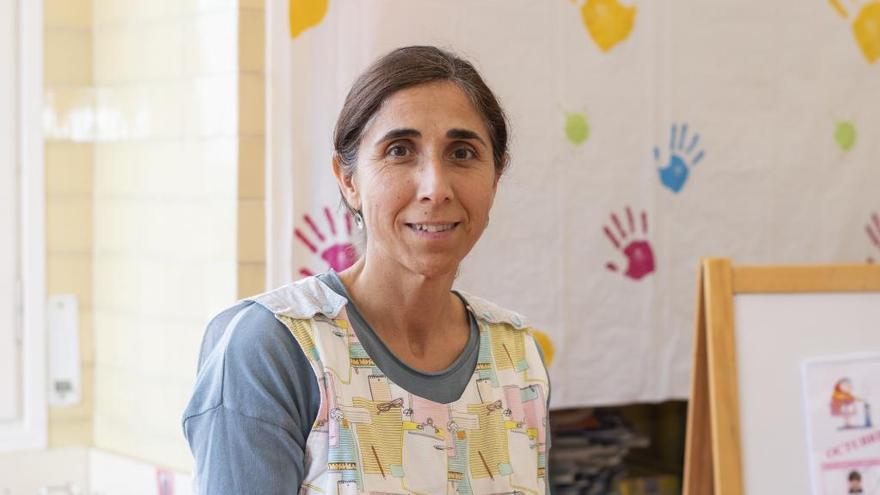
(842, 429)
(786, 380)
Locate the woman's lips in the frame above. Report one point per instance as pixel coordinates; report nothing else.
(433, 230)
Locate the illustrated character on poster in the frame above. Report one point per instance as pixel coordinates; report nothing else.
(855, 482)
(843, 404)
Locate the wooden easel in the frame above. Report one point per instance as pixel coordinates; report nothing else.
(713, 456)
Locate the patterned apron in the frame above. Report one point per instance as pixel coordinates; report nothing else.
(372, 436)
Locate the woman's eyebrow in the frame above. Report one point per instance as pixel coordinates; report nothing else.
(464, 134)
(399, 133)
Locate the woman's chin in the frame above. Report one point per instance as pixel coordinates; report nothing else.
(434, 267)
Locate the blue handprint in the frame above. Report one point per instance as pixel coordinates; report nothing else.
(681, 158)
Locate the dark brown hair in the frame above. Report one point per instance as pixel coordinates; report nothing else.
(404, 68)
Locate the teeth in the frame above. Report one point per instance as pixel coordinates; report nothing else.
(433, 228)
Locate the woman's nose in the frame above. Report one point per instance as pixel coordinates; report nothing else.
(434, 181)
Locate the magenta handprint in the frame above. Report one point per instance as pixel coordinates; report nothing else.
(337, 250)
(872, 228)
(638, 252)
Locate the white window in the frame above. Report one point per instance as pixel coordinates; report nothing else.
(22, 245)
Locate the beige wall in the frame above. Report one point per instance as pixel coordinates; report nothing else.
(251, 151)
(156, 215)
(68, 153)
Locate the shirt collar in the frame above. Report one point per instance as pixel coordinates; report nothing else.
(302, 299)
(305, 298)
(492, 313)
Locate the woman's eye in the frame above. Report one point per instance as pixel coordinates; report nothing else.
(463, 154)
(398, 151)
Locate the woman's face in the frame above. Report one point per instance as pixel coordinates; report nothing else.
(425, 179)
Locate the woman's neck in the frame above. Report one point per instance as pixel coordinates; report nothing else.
(408, 310)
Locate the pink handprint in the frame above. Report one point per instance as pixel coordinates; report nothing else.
(872, 228)
(638, 252)
(337, 251)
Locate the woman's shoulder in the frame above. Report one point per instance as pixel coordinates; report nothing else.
(302, 299)
(249, 357)
(240, 332)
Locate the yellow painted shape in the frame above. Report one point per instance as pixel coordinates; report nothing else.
(546, 344)
(866, 29)
(608, 22)
(305, 14)
(839, 8)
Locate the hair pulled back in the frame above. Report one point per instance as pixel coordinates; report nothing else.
(404, 68)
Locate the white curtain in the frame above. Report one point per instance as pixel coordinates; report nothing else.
(644, 136)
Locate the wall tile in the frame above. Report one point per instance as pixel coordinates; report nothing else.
(252, 103)
(252, 4)
(209, 40)
(69, 114)
(67, 58)
(251, 231)
(141, 111)
(251, 279)
(66, 432)
(206, 115)
(69, 225)
(252, 167)
(86, 336)
(71, 14)
(252, 43)
(218, 157)
(134, 11)
(68, 168)
(70, 274)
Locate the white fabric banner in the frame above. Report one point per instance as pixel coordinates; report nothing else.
(644, 136)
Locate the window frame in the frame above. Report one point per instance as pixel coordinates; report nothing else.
(28, 430)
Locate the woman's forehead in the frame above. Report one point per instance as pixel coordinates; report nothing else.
(427, 108)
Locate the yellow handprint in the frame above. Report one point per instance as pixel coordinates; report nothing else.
(305, 14)
(607, 21)
(866, 27)
(546, 345)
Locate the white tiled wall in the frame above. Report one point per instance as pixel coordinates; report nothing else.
(165, 211)
(154, 122)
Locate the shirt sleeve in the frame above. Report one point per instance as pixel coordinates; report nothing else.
(235, 453)
(253, 405)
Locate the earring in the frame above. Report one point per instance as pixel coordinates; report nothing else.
(359, 220)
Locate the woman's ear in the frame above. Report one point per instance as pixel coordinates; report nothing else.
(498, 171)
(346, 182)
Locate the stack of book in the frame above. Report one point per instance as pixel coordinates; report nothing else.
(588, 450)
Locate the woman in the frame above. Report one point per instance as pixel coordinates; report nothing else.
(381, 378)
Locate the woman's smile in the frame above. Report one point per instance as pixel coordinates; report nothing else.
(434, 230)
